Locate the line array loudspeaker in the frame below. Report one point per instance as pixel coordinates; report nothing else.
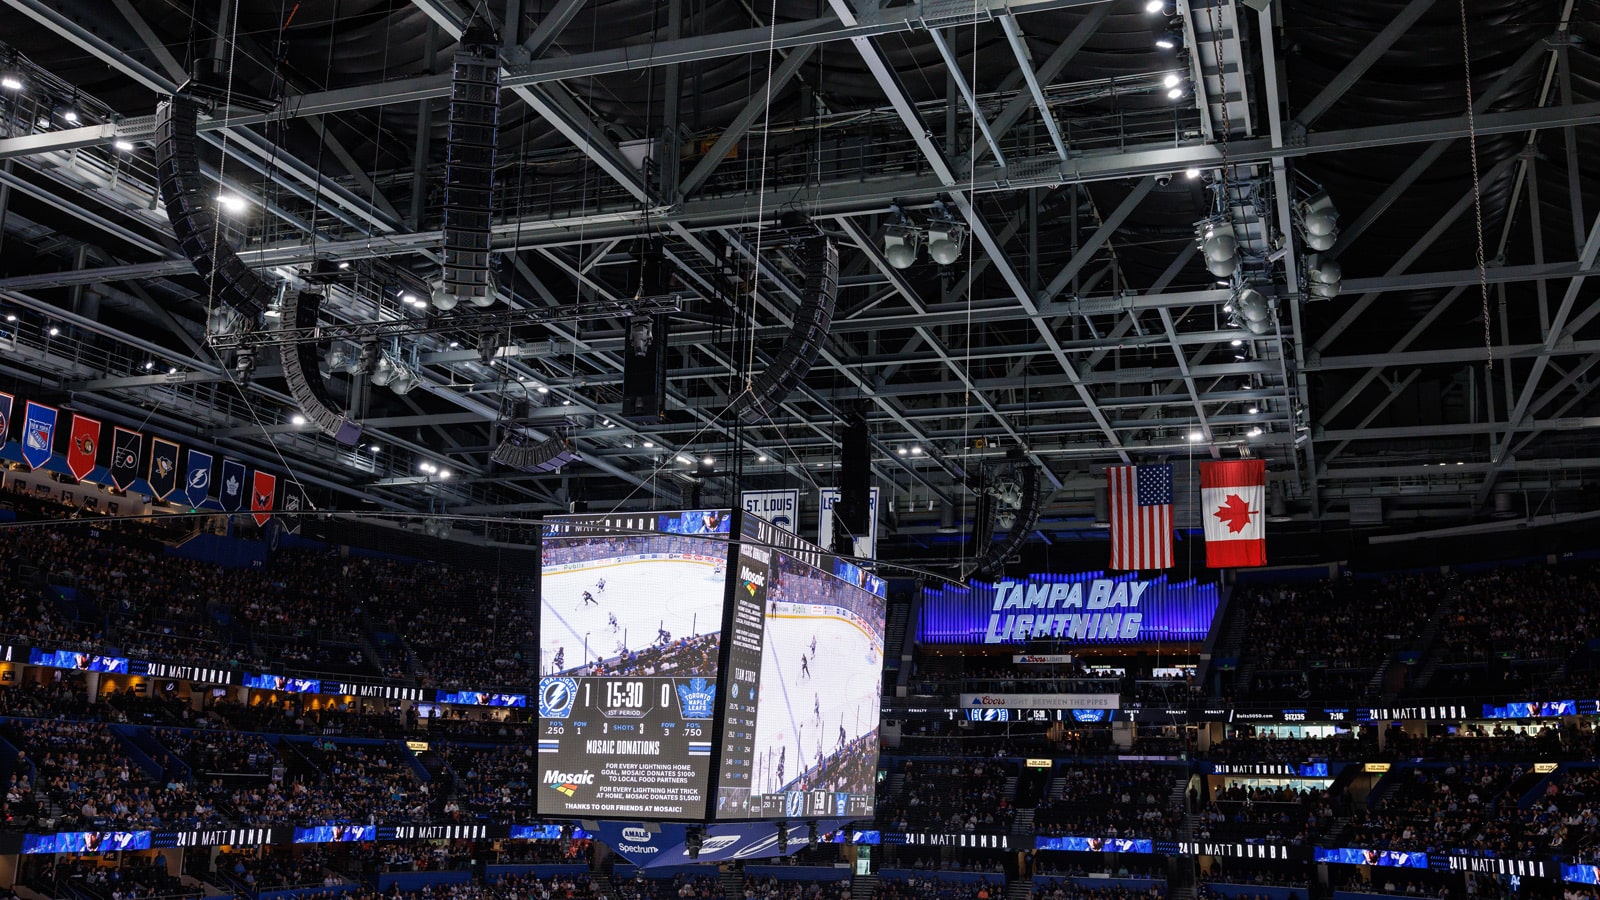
(793, 361)
(516, 452)
(469, 166)
(852, 514)
(187, 195)
(993, 559)
(304, 380)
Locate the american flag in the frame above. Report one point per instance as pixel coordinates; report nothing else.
(1141, 517)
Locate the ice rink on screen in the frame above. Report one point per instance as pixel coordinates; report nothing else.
(681, 595)
(845, 675)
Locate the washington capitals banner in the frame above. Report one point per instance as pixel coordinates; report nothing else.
(262, 493)
(163, 476)
(125, 447)
(6, 401)
(197, 478)
(84, 447)
(232, 493)
(38, 434)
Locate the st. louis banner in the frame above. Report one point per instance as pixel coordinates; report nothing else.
(163, 475)
(125, 452)
(197, 477)
(84, 447)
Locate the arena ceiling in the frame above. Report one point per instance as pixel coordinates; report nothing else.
(1078, 324)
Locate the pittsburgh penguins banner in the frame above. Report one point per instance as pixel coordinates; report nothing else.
(163, 475)
(232, 494)
(197, 478)
(125, 447)
(263, 492)
(84, 447)
(38, 434)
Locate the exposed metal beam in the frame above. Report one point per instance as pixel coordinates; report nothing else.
(1101, 235)
(1019, 49)
(741, 123)
(1375, 47)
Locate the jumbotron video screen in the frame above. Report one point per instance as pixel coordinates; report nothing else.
(805, 667)
(630, 626)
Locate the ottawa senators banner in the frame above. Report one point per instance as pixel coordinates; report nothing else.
(85, 446)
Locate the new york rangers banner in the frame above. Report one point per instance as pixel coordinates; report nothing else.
(85, 445)
(263, 492)
(6, 402)
(1234, 497)
(197, 477)
(163, 475)
(125, 451)
(38, 434)
(232, 494)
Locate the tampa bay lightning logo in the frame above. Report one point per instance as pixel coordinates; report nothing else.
(696, 699)
(556, 696)
(794, 803)
(199, 479)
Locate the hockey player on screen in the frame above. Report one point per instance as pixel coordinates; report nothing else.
(561, 658)
(588, 598)
(816, 707)
(813, 646)
(805, 667)
(783, 754)
(613, 622)
(842, 739)
(600, 585)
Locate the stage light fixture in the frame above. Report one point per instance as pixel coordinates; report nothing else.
(900, 245)
(783, 837)
(1171, 81)
(1154, 6)
(297, 419)
(944, 241)
(123, 146)
(11, 82)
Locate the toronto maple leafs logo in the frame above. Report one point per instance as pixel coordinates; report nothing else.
(1235, 513)
(696, 699)
(163, 466)
(231, 486)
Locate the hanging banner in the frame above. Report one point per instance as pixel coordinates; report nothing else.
(163, 475)
(84, 447)
(866, 545)
(6, 403)
(232, 494)
(781, 508)
(197, 480)
(294, 503)
(38, 434)
(125, 450)
(264, 490)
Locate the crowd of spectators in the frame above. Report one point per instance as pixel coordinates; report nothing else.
(250, 872)
(957, 797)
(1274, 815)
(492, 781)
(1064, 889)
(932, 887)
(1433, 807)
(1112, 800)
(795, 889)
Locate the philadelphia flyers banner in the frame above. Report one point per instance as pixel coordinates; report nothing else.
(125, 451)
(261, 495)
(85, 446)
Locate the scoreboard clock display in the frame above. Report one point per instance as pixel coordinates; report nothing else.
(630, 626)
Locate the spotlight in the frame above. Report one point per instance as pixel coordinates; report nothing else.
(232, 203)
(542, 389)
(427, 467)
(1321, 242)
(172, 370)
(944, 242)
(11, 317)
(124, 146)
(1255, 432)
(1318, 215)
(916, 451)
(900, 245)
(1236, 342)
(410, 299)
(901, 451)
(1221, 249)
(1191, 174)
(1195, 436)
(70, 115)
(297, 419)
(1175, 93)
(649, 444)
(707, 461)
(404, 381)
(149, 364)
(1254, 410)
(375, 449)
(1154, 6)
(1171, 81)
(1166, 42)
(444, 474)
(385, 372)
(10, 82)
(761, 457)
(54, 331)
(344, 264)
(685, 460)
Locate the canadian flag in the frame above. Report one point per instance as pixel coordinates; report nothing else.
(1233, 496)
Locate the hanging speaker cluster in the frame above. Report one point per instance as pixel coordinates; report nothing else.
(191, 204)
(305, 381)
(518, 452)
(1015, 511)
(469, 169)
(821, 265)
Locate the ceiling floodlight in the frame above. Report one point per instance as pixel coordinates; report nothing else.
(900, 245)
(944, 242)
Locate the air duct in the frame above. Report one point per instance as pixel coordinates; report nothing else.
(821, 265)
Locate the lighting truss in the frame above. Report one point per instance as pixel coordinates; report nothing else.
(363, 331)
